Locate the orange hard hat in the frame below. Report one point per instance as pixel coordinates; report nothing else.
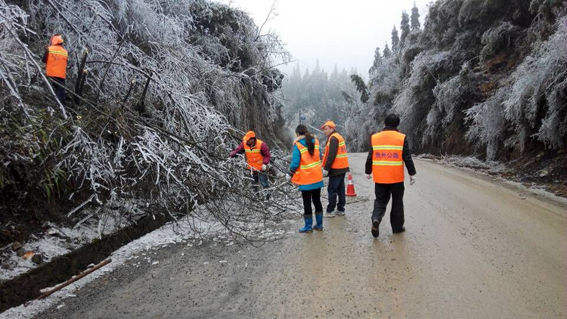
(56, 39)
(330, 124)
(249, 135)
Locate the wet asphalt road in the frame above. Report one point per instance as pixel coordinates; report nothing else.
(473, 249)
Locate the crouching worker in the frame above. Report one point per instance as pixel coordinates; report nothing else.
(307, 173)
(257, 156)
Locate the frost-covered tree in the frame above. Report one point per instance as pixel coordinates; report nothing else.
(395, 40)
(387, 52)
(166, 90)
(360, 87)
(415, 24)
(405, 28)
(482, 77)
(377, 61)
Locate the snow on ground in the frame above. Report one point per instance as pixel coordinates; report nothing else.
(58, 241)
(535, 189)
(188, 229)
(169, 234)
(492, 168)
(469, 162)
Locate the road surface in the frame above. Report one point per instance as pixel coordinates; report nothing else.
(473, 249)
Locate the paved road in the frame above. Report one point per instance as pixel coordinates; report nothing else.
(473, 249)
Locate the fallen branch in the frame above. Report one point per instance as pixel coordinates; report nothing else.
(74, 278)
(81, 206)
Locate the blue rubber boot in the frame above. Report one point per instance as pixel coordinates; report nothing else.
(319, 220)
(307, 228)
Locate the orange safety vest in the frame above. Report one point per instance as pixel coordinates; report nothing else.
(341, 160)
(254, 155)
(387, 162)
(310, 170)
(56, 65)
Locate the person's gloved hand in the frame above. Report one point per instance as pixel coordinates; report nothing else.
(368, 176)
(412, 180)
(287, 177)
(325, 173)
(264, 167)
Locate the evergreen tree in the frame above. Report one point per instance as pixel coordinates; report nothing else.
(377, 56)
(360, 87)
(395, 40)
(405, 28)
(377, 60)
(415, 25)
(387, 52)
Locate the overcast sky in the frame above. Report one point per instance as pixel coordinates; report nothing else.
(342, 33)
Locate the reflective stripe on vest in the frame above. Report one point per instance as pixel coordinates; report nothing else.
(254, 155)
(56, 65)
(387, 161)
(341, 159)
(310, 170)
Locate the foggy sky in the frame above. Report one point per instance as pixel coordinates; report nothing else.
(342, 33)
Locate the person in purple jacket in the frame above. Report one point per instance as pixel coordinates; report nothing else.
(258, 157)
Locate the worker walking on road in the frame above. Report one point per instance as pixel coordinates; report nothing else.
(388, 153)
(335, 165)
(258, 157)
(55, 59)
(306, 172)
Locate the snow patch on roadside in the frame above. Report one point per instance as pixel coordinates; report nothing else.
(471, 162)
(169, 234)
(59, 241)
(536, 190)
(493, 169)
(188, 229)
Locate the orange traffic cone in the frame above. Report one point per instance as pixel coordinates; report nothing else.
(350, 186)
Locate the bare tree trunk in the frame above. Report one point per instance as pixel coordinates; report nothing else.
(81, 74)
(132, 85)
(141, 106)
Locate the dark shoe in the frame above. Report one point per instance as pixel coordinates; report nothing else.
(401, 230)
(375, 228)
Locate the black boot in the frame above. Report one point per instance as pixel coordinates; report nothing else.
(375, 230)
(397, 231)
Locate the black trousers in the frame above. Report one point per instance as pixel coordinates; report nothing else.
(58, 85)
(383, 193)
(336, 188)
(312, 196)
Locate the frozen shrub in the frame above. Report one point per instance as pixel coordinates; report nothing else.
(441, 25)
(452, 97)
(536, 103)
(498, 40)
(487, 125)
(416, 99)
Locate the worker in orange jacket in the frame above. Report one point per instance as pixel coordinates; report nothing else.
(335, 165)
(258, 158)
(386, 157)
(306, 172)
(55, 59)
